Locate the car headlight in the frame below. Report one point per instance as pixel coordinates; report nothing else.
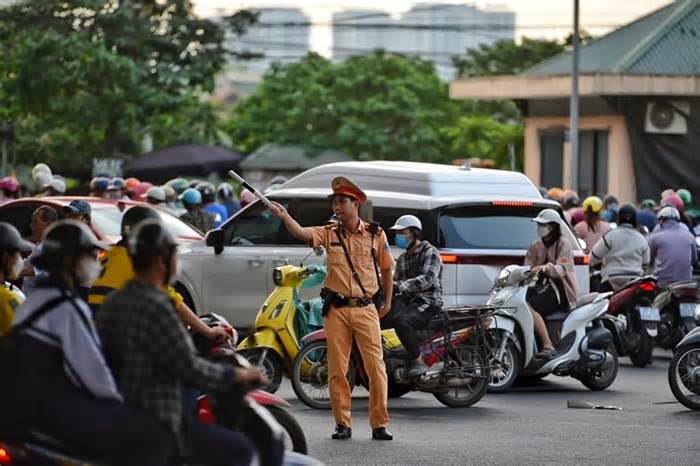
(277, 277)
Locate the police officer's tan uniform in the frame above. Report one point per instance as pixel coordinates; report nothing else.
(362, 323)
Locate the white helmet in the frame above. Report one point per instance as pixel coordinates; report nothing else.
(548, 216)
(41, 168)
(58, 185)
(669, 213)
(407, 221)
(42, 180)
(156, 193)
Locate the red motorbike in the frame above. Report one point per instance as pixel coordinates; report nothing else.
(453, 347)
(633, 320)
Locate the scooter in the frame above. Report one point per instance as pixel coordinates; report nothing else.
(679, 309)
(283, 320)
(684, 371)
(263, 417)
(633, 319)
(452, 348)
(584, 347)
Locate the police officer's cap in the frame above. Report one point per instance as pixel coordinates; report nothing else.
(342, 186)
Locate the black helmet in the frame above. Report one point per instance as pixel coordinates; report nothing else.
(610, 200)
(151, 239)
(135, 215)
(628, 214)
(65, 239)
(11, 241)
(207, 191)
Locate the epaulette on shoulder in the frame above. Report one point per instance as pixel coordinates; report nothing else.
(374, 228)
(330, 226)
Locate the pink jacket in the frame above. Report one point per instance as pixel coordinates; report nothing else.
(559, 261)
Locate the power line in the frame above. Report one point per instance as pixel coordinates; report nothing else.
(435, 27)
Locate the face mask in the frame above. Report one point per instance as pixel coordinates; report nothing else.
(88, 270)
(401, 241)
(543, 230)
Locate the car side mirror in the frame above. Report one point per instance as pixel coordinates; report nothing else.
(215, 239)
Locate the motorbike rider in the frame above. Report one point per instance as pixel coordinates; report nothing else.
(195, 216)
(43, 217)
(551, 256)
(153, 357)
(593, 228)
(610, 207)
(9, 189)
(117, 270)
(673, 249)
(225, 192)
(646, 215)
(11, 247)
(357, 251)
(570, 202)
(417, 288)
(76, 398)
(623, 252)
(209, 204)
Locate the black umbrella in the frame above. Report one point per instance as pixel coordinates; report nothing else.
(183, 160)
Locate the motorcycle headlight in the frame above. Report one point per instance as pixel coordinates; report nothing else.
(503, 277)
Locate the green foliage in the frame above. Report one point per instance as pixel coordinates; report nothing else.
(484, 137)
(376, 106)
(86, 78)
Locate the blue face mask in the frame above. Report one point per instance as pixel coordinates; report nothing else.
(401, 241)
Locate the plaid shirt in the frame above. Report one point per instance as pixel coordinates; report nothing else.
(419, 275)
(152, 355)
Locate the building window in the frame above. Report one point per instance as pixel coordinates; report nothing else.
(593, 163)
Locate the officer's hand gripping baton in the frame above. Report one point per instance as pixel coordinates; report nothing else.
(245, 184)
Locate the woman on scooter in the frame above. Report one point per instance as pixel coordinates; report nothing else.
(551, 257)
(593, 228)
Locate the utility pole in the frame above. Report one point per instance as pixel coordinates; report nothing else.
(573, 106)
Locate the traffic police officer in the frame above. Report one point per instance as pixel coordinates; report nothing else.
(351, 312)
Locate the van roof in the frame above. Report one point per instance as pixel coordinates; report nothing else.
(426, 179)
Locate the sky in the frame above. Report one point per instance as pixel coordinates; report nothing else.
(596, 16)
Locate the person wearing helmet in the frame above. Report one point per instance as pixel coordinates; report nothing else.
(139, 191)
(417, 288)
(11, 264)
(129, 185)
(570, 203)
(195, 216)
(225, 193)
(55, 187)
(42, 218)
(552, 258)
(153, 357)
(9, 188)
(556, 194)
(610, 207)
(673, 249)
(41, 168)
(646, 215)
(209, 204)
(155, 196)
(41, 181)
(117, 270)
(247, 197)
(623, 252)
(79, 210)
(116, 189)
(178, 184)
(594, 227)
(75, 398)
(98, 187)
(674, 200)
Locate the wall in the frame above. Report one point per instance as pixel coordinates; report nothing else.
(621, 180)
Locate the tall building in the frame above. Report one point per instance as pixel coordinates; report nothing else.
(436, 32)
(282, 35)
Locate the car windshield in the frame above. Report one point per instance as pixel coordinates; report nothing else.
(491, 227)
(108, 218)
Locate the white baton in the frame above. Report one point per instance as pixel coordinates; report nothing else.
(245, 184)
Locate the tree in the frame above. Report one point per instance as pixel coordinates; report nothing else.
(380, 105)
(105, 68)
(482, 136)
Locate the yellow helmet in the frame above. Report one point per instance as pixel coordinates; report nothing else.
(594, 204)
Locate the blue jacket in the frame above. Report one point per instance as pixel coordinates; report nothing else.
(218, 211)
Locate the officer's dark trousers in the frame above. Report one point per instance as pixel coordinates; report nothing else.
(406, 319)
(107, 430)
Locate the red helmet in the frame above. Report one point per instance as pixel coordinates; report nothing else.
(674, 200)
(131, 183)
(140, 190)
(9, 183)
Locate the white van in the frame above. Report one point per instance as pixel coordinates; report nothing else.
(479, 219)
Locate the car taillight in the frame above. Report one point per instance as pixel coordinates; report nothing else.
(5, 457)
(448, 258)
(513, 203)
(647, 287)
(582, 260)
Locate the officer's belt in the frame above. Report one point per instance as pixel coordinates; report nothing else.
(339, 300)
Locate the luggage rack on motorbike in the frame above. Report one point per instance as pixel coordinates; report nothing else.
(467, 314)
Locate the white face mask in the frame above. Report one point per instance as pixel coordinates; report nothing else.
(88, 270)
(543, 230)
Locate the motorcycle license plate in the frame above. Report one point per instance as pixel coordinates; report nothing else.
(649, 313)
(688, 310)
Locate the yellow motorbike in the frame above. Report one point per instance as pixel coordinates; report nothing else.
(282, 321)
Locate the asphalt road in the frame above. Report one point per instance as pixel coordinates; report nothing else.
(529, 425)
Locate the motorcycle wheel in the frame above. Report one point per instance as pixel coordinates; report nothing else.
(465, 396)
(687, 394)
(602, 379)
(295, 434)
(310, 375)
(272, 366)
(504, 372)
(641, 356)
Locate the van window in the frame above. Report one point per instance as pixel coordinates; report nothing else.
(309, 213)
(387, 216)
(489, 227)
(254, 225)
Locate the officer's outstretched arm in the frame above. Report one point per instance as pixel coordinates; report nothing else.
(299, 232)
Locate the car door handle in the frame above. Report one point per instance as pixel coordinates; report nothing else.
(255, 262)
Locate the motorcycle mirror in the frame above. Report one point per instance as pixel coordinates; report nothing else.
(319, 251)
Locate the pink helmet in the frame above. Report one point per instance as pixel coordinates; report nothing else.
(9, 183)
(674, 200)
(247, 197)
(140, 190)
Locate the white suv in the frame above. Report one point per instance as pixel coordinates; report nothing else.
(479, 219)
